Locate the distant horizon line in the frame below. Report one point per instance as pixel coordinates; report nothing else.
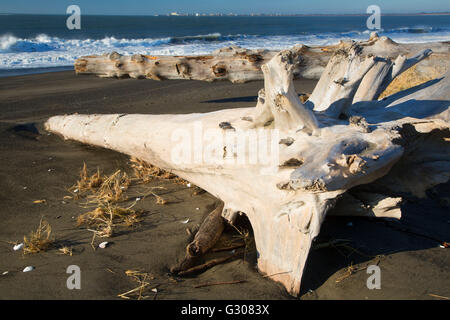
(198, 14)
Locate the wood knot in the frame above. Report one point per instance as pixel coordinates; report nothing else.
(226, 125)
(114, 56)
(219, 70)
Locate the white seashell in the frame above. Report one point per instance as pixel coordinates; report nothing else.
(18, 246)
(185, 221)
(197, 208)
(76, 190)
(5, 273)
(441, 246)
(24, 188)
(103, 244)
(188, 185)
(29, 268)
(155, 290)
(138, 199)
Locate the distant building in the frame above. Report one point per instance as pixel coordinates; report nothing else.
(174, 14)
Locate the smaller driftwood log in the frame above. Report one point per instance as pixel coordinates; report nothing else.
(239, 65)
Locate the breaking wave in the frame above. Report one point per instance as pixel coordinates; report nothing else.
(45, 51)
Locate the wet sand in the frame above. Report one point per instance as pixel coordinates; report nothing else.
(36, 165)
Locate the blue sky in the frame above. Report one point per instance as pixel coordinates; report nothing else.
(151, 7)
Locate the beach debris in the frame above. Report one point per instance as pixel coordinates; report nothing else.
(209, 232)
(108, 216)
(39, 240)
(43, 201)
(198, 191)
(18, 246)
(185, 221)
(207, 265)
(4, 273)
(159, 199)
(231, 248)
(208, 284)
(438, 296)
(287, 207)
(28, 269)
(100, 189)
(25, 188)
(145, 172)
(155, 290)
(444, 245)
(103, 244)
(65, 251)
(188, 185)
(140, 277)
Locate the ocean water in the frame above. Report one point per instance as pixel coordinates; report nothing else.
(37, 42)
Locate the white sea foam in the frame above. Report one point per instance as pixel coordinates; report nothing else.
(45, 51)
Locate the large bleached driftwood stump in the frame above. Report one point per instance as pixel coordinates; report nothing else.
(298, 158)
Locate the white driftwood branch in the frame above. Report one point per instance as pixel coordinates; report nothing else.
(365, 204)
(355, 73)
(315, 158)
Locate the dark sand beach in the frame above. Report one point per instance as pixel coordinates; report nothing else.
(36, 165)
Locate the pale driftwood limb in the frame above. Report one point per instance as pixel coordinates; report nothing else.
(365, 204)
(286, 198)
(353, 74)
(383, 73)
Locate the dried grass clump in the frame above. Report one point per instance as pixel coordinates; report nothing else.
(106, 217)
(408, 79)
(98, 188)
(112, 189)
(141, 278)
(147, 172)
(66, 251)
(87, 183)
(39, 240)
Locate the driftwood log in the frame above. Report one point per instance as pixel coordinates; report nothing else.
(205, 238)
(239, 65)
(298, 158)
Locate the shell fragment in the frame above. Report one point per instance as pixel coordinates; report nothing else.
(103, 244)
(18, 246)
(29, 268)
